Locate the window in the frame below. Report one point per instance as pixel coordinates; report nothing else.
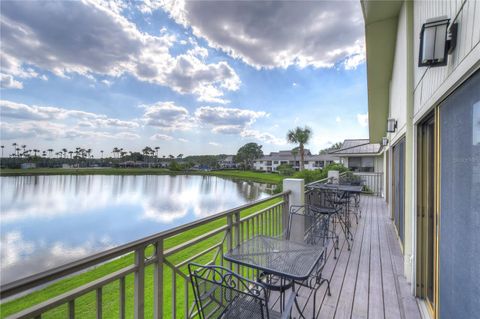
(275, 162)
(361, 164)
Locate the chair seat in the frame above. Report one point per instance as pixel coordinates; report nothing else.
(247, 308)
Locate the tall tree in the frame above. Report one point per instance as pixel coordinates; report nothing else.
(294, 152)
(300, 136)
(248, 153)
(332, 148)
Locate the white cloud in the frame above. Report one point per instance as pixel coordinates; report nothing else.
(161, 137)
(8, 82)
(101, 41)
(168, 116)
(227, 117)
(362, 119)
(263, 136)
(353, 61)
(52, 131)
(213, 144)
(338, 119)
(13, 110)
(126, 136)
(49, 122)
(183, 140)
(276, 33)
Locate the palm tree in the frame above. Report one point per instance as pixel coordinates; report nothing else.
(64, 150)
(14, 147)
(50, 151)
(115, 151)
(294, 153)
(2, 150)
(102, 153)
(301, 137)
(156, 150)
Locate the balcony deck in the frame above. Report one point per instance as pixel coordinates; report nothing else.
(367, 281)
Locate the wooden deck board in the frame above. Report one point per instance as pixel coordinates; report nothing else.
(366, 281)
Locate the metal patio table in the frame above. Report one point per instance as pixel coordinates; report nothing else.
(347, 190)
(284, 258)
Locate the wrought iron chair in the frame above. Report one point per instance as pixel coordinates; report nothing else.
(322, 201)
(221, 293)
(316, 233)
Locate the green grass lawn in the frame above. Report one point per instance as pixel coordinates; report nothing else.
(237, 174)
(85, 305)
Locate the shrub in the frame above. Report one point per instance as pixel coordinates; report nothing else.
(318, 174)
(174, 166)
(285, 170)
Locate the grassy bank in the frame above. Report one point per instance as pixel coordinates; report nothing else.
(236, 174)
(85, 305)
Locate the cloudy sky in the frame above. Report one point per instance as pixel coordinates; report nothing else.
(196, 77)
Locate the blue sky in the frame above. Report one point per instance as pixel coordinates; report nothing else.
(190, 77)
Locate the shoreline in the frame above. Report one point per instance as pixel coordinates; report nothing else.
(253, 176)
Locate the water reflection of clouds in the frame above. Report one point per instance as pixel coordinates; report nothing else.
(163, 200)
(46, 221)
(21, 257)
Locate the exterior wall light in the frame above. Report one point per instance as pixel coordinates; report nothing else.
(384, 141)
(437, 40)
(391, 125)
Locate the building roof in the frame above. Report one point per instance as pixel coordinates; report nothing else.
(358, 146)
(287, 156)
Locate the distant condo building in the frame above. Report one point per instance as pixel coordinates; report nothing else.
(269, 163)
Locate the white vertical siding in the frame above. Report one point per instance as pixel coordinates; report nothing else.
(429, 82)
(398, 84)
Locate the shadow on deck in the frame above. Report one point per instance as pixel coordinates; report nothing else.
(368, 280)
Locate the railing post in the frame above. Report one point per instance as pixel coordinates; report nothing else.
(296, 187)
(158, 281)
(237, 228)
(285, 210)
(229, 235)
(139, 284)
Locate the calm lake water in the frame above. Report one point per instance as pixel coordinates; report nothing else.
(46, 221)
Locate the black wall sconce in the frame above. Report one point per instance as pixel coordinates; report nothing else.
(437, 41)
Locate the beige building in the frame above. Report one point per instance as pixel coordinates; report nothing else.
(423, 60)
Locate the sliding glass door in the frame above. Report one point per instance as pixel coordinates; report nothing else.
(427, 217)
(459, 241)
(398, 187)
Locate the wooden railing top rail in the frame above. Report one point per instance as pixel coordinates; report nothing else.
(36, 280)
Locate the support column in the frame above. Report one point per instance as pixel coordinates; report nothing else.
(334, 176)
(409, 149)
(296, 187)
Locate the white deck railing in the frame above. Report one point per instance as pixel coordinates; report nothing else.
(161, 287)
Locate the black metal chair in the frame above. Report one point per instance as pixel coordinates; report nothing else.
(322, 201)
(221, 293)
(316, 230)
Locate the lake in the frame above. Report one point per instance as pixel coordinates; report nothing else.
(46, 221)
